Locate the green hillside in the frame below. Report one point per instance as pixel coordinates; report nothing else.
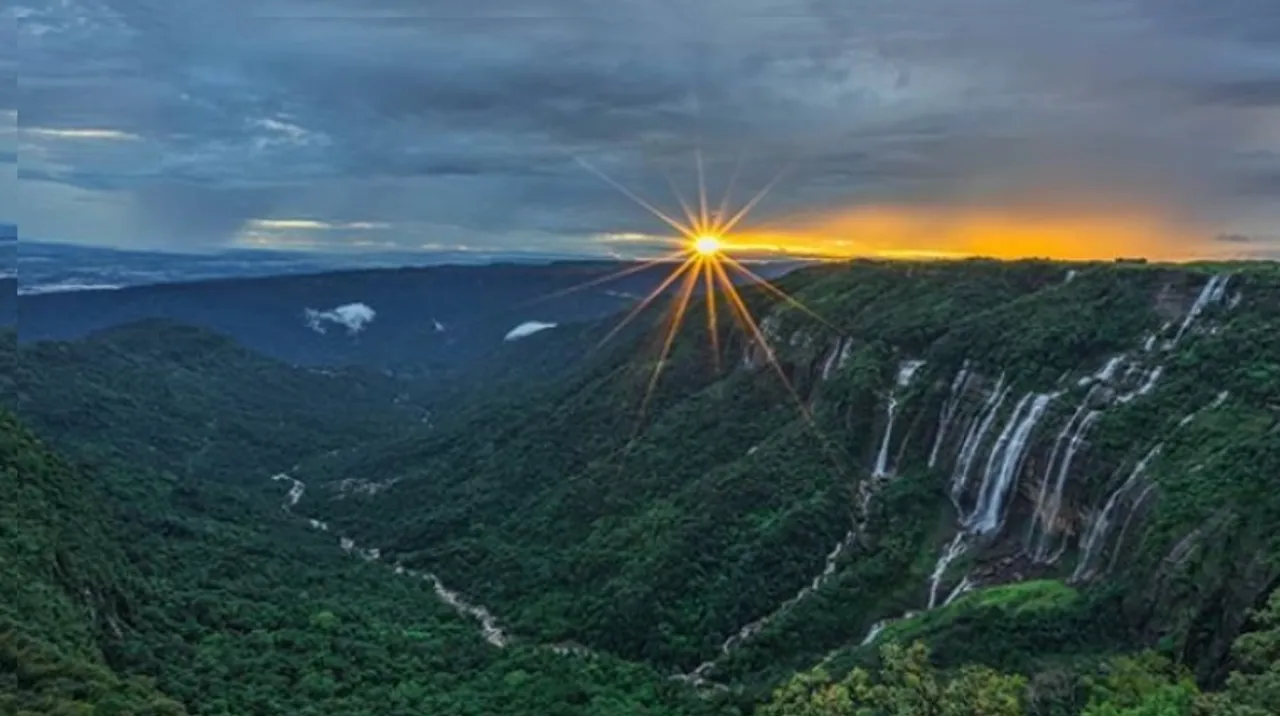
(193, 402)
(729, 503)
(1013, 488)
(156, 593)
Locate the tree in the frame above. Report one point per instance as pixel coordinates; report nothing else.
(906, 685)
(1144, 685)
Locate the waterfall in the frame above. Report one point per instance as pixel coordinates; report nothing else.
(1049, 505)
(957, 547)
(1095, 538)
(1148, 384)
(1107, 373)
(1049, 499)
(1217, 402)
(949, 411)
(973, 439)
(906, 371)
(1212, 292)
(1124, 529)
(877, 628)
(1005, 463)
(829, 365)
(838, 357)
(965, 585)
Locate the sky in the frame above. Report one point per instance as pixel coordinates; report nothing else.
(1067, 128)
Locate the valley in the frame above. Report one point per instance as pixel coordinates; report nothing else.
(1049, 472)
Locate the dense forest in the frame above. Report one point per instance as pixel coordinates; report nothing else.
(983, 488)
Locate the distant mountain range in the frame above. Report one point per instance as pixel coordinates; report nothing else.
(54, 267)
(409, 320)
(8, 274)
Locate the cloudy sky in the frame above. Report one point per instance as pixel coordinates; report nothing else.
(1061, 127)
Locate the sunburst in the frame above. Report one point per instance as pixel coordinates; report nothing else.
(705, 245)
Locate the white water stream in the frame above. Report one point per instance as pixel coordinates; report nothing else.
(488, 623)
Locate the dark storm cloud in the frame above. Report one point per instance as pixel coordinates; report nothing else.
(457, 121)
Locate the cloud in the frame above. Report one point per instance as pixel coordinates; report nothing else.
(311, 224)
(74, 133)
(1235, 239)
(528, 328)
(353, 316)
(1165, 110)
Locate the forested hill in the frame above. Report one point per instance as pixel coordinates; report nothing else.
(1025, 464)
(193, 402)
(128, 591)
(986, 489)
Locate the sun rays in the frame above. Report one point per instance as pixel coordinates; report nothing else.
(702, 263)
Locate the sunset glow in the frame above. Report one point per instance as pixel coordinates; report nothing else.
(959, 232)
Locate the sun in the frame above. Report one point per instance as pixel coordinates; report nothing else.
(707, 245)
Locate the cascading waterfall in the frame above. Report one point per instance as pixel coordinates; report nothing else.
(879, 627)
(949, 409)
(906, 371)
(1212, 292)
(1108, 371)
(1124, 529)
(837, 359)
(966, 585)
(1044, 543)
(974, 438)
(1095, 538)
(1148, 384)
(1005, 463)
(957, 547)
(1218, 400)
(1049, 499)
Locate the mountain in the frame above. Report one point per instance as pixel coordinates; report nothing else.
(409, 320)
(1084, 457)
(190, 401)
(48, 267)
(985, 489)
(8, 275)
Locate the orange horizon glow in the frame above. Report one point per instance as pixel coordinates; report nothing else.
(906, 232)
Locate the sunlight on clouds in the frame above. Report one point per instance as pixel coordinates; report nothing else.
(313, 225)
(83, 133)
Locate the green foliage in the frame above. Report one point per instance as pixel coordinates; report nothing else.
(651, 538)
(1144, 685)
(193, 403)
(235, 608)
(905, 685)
(61, 586)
